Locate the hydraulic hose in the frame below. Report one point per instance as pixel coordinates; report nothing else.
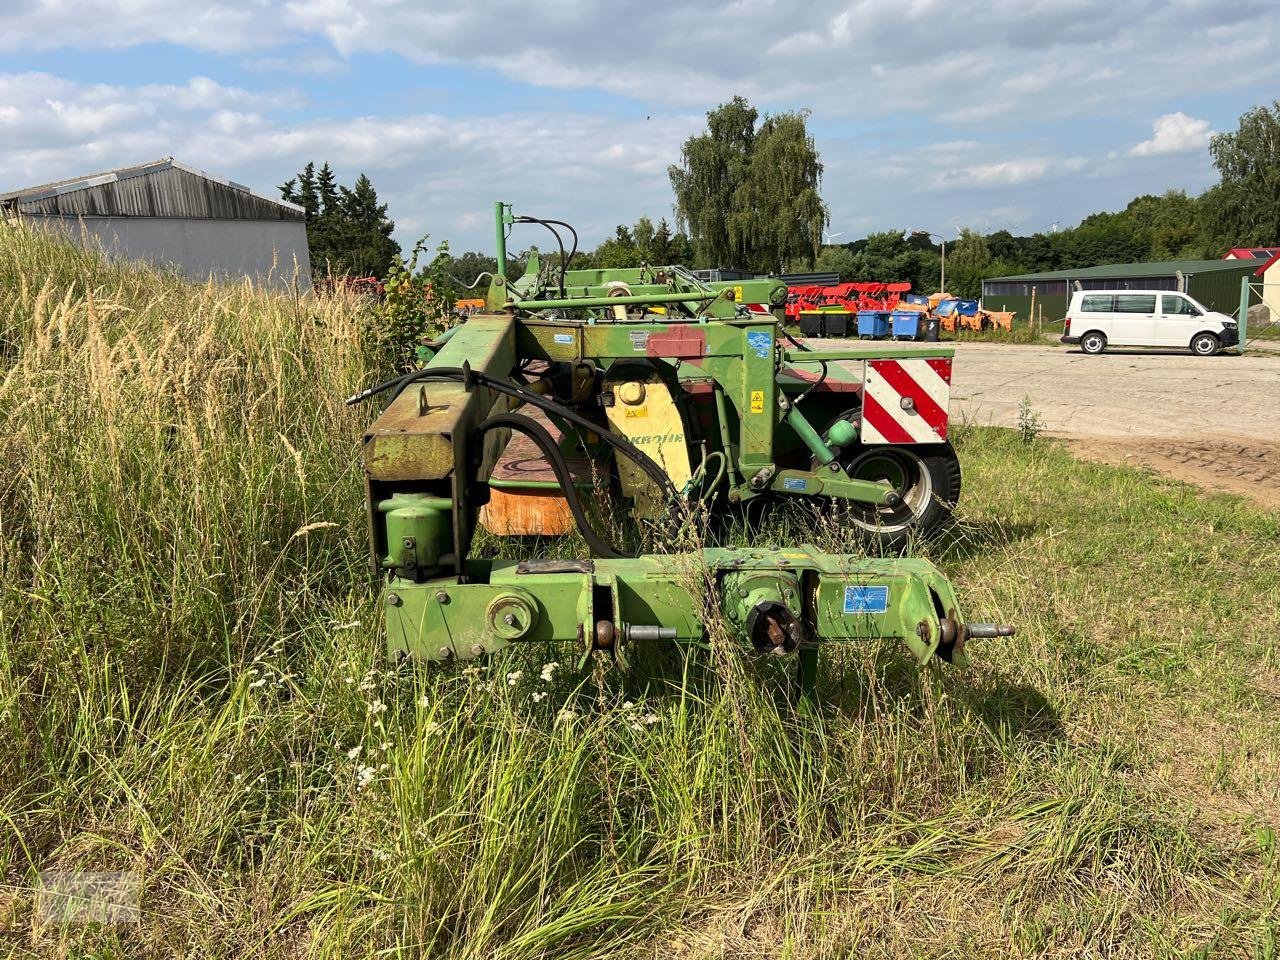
(821, 377)
(507, 387)
(543, 440)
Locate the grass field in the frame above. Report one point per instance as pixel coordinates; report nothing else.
(191, 689)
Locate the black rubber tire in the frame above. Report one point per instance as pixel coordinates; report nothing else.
(927, 476)
(1205, 344)
(1093, 343)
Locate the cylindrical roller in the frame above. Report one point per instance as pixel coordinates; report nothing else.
(639, 631)
(987, 631)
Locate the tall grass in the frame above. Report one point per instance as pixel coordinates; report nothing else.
(192, 688)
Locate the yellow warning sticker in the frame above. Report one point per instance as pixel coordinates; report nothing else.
(633, 413)
(737, 294)
(757, 401)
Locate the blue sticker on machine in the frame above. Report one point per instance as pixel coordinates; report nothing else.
(794, 483)
(866, 599)
(760, 342)
(564, 338)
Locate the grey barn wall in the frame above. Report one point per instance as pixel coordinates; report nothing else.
(270, 251)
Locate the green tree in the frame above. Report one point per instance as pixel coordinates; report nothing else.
(888, 257)
(365, 230)
(967, 261)
(749, 196)
(302, 191)
(1245, 205)
(839, 259)
(327, 192)
(348, 230)
(1173, 223)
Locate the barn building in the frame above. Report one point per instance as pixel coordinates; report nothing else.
(1266, 284)
(176, 216)
(1215, 283)
(1251, 253)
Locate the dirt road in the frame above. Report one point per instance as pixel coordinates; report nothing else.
(1212, 421)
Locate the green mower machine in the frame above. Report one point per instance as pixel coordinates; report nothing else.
(648, 389)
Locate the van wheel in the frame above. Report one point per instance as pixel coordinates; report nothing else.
(1205, 345)
(1093, 342)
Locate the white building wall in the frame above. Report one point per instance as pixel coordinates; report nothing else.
(272, 252)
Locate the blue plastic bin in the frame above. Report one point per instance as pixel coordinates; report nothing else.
(967, 308)
(906, 325)
(919, 298)
(873, 324)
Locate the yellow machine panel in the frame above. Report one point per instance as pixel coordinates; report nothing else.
(645, 413)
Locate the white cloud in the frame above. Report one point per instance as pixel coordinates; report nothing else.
(1174, 133)
(1001, 173)
(440, 174)
(961, 61)
(302, 64)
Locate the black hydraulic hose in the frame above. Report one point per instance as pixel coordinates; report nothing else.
(543, 440)
(559, 242)
(458, 374)
(796, 343)
(573, 252)
(822, 377)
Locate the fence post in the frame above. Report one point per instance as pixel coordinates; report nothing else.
(1244, 312)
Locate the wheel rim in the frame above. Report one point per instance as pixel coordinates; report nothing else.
(1093, 344)
(902, 471)
(1203, 346)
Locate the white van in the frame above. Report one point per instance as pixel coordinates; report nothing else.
(1097, 319)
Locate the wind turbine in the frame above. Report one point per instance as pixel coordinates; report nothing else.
(831, 236)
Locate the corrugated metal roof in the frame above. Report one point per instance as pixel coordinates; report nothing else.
(163, 188)
(1161, 268)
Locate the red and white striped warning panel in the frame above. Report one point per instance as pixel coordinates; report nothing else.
(905, 401)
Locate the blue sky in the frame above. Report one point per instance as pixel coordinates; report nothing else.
(928, 114)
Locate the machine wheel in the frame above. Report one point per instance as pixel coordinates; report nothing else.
(926, 476)
(1205, 344)
(1093, 343)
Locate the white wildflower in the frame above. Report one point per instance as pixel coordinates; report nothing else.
(364, 776)
(549, 670)
(431, 729)
(566, 715)
(538, 696)
(377, 707)
(258, 683)
(354, 752)
(514, 677)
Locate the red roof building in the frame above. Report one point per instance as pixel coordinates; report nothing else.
(1251, 253)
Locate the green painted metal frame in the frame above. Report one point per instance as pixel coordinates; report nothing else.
(425, 476)
(666, 597)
